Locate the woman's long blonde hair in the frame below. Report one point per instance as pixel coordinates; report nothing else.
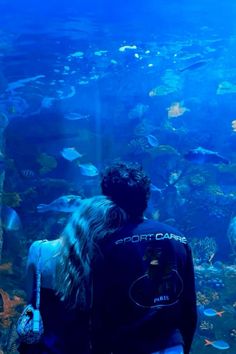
(94, 219)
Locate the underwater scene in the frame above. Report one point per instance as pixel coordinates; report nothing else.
(86, 83)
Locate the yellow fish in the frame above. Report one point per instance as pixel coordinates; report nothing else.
(176, 109)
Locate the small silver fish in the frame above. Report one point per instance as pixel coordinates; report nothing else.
(76, 116)
(65, 203)
(152, 140)
(154, 188)
(88, 169)
(70, 154)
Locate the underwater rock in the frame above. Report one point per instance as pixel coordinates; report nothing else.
(11, 199)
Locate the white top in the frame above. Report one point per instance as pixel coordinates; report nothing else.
(49, 252)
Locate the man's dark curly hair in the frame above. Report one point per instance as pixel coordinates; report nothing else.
(128, 186)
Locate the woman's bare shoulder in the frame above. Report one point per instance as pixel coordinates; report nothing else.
(43, 248)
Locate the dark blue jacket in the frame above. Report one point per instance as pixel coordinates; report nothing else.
(144, 291)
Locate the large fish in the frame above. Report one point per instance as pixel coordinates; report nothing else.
(201, 155)
(66, 204)
(194, 66)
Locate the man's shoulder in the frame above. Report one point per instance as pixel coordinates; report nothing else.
(158, 226)
(145, 231)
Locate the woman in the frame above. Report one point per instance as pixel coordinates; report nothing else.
(66, 287)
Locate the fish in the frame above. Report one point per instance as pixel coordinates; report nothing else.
(10, 219)
(177, 109)
(230, 309)
(218, 344)
(70, 154)
(88, 169)
(201, 155)
(125, 47)
(65, 203)
(194, 66)
(152, 140)
(211, 312)
(27, 173)
(76, 116)
(233, 123)
(76, 55)
(154, 188)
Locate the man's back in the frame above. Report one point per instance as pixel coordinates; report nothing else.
(144, 295)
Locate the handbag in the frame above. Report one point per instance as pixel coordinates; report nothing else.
(30, 324)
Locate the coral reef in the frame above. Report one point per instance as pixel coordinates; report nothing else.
(9, 307)
(206, 326)
(202, 299)
(204, 249)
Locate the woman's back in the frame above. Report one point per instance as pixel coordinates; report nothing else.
(66, 287)
(65, 330)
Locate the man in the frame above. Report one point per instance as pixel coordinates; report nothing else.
(143, 279)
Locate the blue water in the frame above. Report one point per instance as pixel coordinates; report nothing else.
(122, 72)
